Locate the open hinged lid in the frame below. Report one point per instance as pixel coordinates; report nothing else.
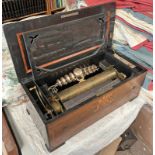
(55, 40)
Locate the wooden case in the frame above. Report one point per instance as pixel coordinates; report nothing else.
(9, 142)
(47, 48)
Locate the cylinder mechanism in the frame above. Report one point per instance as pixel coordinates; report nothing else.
(78, 74)
(88, 84)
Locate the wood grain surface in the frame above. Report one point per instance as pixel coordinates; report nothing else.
(75, 121)
(9, 144)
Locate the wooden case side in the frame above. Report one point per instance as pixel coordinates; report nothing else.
(41, 126)
(72, 123)
(9, 143)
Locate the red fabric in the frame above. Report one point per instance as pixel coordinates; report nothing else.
(147, 44)
(129, 24)
(136, 5)
(143, 6)
(97, 2)
(150, 87)
(139, 45)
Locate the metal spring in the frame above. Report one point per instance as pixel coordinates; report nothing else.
(77, 75)
(66, 79)
(89, 70)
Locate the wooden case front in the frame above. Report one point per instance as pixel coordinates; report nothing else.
(57, 132)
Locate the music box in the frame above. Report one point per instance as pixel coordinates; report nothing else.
(69, 70)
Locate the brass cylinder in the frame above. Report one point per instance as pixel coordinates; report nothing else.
(87, 85)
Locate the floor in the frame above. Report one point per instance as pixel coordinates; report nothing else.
(137, 149)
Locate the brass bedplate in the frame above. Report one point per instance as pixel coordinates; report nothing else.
(79, 75)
